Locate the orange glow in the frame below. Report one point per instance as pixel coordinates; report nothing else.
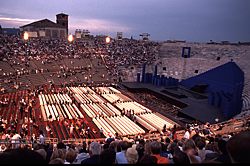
(108, 39)
(25, 36)
(70, 38)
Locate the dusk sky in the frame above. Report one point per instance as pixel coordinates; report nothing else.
(191, 20)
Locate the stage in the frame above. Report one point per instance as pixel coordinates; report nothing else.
(192, 104)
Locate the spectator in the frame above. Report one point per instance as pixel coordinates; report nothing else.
(140, 150)
(120, 156)
(57, 161)
(61, 145)
(223, 157)
(94, 152)
(108, 156)
(180, 157)
(196, 134)
(21, 110)
(148, 159)
(70, 156)
(42, 152)
(21, 156)
(15, 140)
(41, 137)
(171, 148)
(105, 146)
(164, 151)
(113, 145)
(101, 132)
(147, 149)
(58, 153)
(132, 155)
(167, 141)
(212, 151)
(2, 148)
(190, 149)
(71, 130)
(49, 151)
(155, 148)
(30, 109)
(187, 133)
(200, 143)
(180, 144)
(83, 154)
(174, 135)
(50, 118)
(164, 128)
(238, 147)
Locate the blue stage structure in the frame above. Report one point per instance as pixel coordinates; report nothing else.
(225, 87)
(143, 72)
(138, 77)
(155, 79)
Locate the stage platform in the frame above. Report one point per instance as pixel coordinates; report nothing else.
(192, 104)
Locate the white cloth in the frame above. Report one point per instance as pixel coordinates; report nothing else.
(15, 137)
(186, 135)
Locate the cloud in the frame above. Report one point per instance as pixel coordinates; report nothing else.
(98, 25)
(15, 19)
(92, 24)
(8, 21)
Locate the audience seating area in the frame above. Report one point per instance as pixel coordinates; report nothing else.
(53, 108)
(153, 121)
(96, 111)
(104, 105)
(58, 106)
(117, 97)
(118, 124)
(138, 108)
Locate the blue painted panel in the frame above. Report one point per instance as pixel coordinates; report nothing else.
(227, 81)
(138, 77)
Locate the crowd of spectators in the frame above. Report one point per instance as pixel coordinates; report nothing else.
(22, 122)
(198, 148)
(48, 54)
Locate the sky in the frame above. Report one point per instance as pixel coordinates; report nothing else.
(190, 20)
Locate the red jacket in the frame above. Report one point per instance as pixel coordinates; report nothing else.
(160, 159)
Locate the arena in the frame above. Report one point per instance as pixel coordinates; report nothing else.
(75, 96)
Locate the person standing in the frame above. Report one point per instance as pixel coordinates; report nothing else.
(41, 137)
(101, 132)
(88, 132)
(21, 109)
(15, 140)
(71, 129)
(30, 109)
(187, 133)
(164, 128)
(121, 156)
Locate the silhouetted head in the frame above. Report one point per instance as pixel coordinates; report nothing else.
(21, 156)
(238, 147)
